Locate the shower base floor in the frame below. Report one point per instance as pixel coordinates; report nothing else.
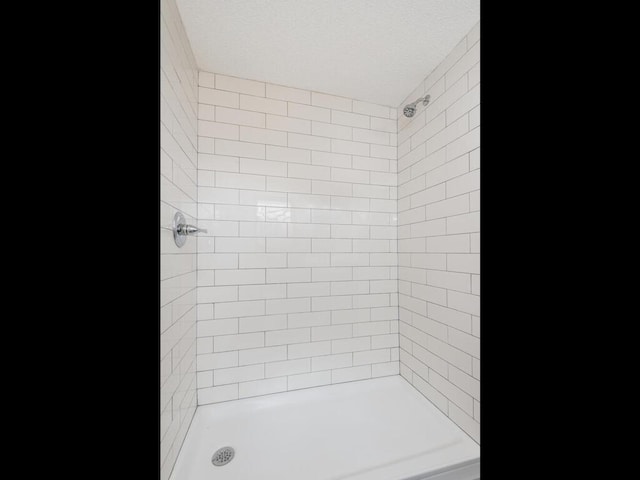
(381, 429)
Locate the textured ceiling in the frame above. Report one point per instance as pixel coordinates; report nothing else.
(371, 50)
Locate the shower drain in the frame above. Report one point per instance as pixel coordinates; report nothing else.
(223, 456)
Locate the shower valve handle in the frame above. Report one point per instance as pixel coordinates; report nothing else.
(189, 229)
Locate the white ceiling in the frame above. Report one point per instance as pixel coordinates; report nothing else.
(372, 50)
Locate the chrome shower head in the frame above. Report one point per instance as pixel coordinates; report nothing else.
(410, 109)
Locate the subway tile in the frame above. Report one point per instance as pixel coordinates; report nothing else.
(258, 292)
(284, 154)
(330, 332)
(224, 343)
(260, 198)
(288, 367)
(291, 305)
(349, 175)
(331, 101)
(383, 125)
(288, 124)
(239, 117)
(309, 142)
(294, 185)
(462, 262)
(309, 171)
(352, 148)
(474, 35)
(370, 163)
(371, 191)
(452, 355)
(349, 119)
(464, 144)
(469, 222)
(309, 349)
(262, 323)
(238, 374)
(465, 342)
(349, 288)
(288, 94)
(286, 337)
(384, 341)
(447, 208)
(331, 217)
(350, 374)
(320, 274)
(309, 113)
(383, 151)
(331, 303)
(238, 212)
(346, 203)
(308, 201)
(206, 79)
(217, 294)
(332, 131)
(239, 149)
(371, 109)
(213, 361)
(262, 387)
(331, 188)
(307, 380)
(239, 309)
(352, 315)
(313, 289)
(288, 245)
(237, 245)
(218, 130)
(206, 112)
(370, 328)
(210, 96)
(463, 105)
(330, 362)
(329, 159)
(288, 275)
(217, 162)
(265, 105)
(309, 319)
(261, 355)
(262, 135)
(218, 195)
(462, 66)
(349, 259)
(371, 136)
(448, 244)
(240, 85)
(350, 345)
(349, 231)
(309, 230)
(453, 393)
(465, 422)
(262, 229)
(372, 356)
(448, 316)
(217, 394)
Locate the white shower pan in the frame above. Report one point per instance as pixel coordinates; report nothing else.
(381, 429)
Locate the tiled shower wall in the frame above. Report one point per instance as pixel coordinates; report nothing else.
(439, 239)
(178, 191)
(297, 276)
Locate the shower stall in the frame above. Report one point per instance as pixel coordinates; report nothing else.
(320, 240)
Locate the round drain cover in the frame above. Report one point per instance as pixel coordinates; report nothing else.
(223, 456)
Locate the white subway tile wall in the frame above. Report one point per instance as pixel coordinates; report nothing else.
(438, 237)
(178, 191)
(297, 276)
